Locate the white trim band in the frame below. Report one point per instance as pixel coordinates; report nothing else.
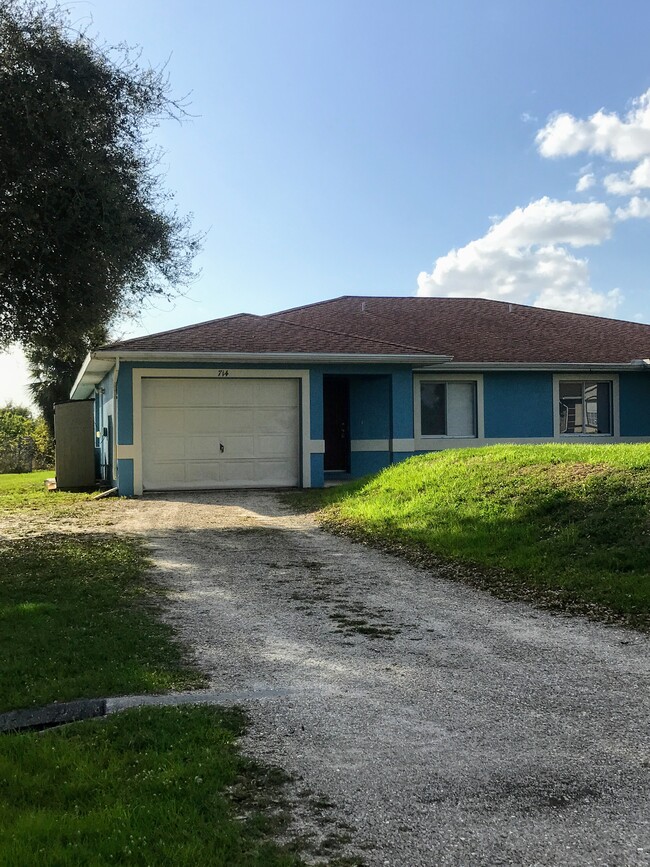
(369, 446)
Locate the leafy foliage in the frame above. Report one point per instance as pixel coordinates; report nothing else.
(86, 232)
(25, 442)
(55, 368)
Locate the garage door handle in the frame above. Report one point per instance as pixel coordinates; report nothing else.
(221, 447)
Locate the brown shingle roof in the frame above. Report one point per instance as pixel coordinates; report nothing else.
(469, 329)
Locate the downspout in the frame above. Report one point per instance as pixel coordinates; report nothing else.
(116, 371)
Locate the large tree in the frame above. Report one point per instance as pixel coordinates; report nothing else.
(87, 230)
(54, 369)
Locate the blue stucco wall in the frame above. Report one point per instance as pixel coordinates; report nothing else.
(363, 463)
(125, 405)
(317, 464)
(316, 407)
(369, 407)
(125, 475)
(518, 405)
(634, 396)
(401, 408)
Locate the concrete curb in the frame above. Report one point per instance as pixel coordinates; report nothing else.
(61, 713)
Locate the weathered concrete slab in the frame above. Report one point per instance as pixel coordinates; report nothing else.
(52, 715)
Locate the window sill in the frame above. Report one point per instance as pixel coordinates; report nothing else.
(579, 436)
(429, 437)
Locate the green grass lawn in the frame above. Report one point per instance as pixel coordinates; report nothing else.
(566, 524)
(26, 491)
(79, 617)
(151, 786)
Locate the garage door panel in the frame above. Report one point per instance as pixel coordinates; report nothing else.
(169, 448)
(201, 448)
(238, 473)
(174, 472)
(186, 421)
(236, 420)
(276, 420)
(273, 446)
(162, 392)
(163, 420)
(237, 392)
(238, 447)
(276, 392)
(203, 473)
(201, 392)
(271, 472)
(201, 421)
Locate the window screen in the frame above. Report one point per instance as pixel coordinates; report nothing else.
(448, 409)
(585, 407)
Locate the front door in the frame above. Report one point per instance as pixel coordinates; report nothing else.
(336, 408)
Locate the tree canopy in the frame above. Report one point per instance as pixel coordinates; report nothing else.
(87, 231)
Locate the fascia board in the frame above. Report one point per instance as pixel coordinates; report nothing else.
(93, 370)
(478, 366)
(278, 357)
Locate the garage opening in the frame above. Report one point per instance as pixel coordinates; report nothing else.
(220, 433)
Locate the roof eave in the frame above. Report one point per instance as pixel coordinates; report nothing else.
(278, 357)
(98, 363)
(554, 366)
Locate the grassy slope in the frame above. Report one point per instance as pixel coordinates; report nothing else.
(566, 523)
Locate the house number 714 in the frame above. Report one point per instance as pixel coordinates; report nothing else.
(221, 373)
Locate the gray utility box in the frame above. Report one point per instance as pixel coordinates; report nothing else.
(74, 438)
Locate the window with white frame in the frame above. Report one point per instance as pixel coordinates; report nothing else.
(585, 407)
(447, 408)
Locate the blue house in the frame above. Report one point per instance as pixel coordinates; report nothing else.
(345, 387)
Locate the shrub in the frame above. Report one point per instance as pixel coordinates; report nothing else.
(25, 442)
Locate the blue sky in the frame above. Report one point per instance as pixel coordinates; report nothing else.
(348, 147)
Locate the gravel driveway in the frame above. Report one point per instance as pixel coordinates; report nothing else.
(445, 726)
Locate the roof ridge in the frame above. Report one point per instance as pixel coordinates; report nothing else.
(308, 306)
(346, 333)
(498, 301)
(183, 328)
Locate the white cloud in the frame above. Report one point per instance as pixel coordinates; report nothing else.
(624, 183)
(522, 259)
(581, 300)
(623, 139)
(585, 182)
(636, 208)
(526, 117)
(548, 221)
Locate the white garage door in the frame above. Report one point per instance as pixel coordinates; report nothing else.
(211, 433)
